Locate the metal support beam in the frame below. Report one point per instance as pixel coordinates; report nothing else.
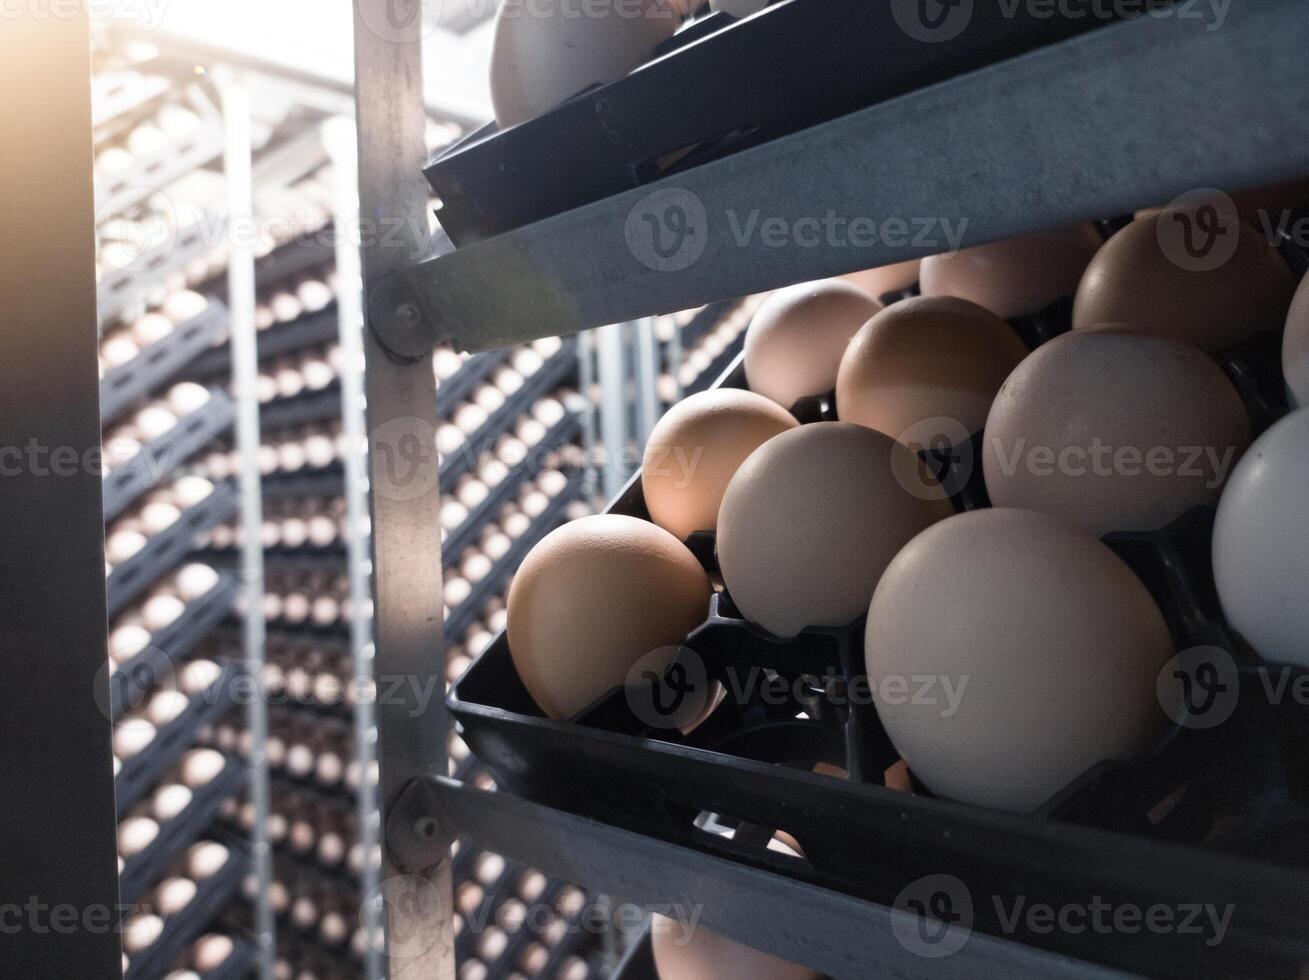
(237, 164)
(403, 478)
(836, 934)
(58, 875)
(1045, 139)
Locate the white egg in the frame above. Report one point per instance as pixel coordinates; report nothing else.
(547, 51)
(118, 350)
(127, 641)
(174, 894)
(170, 800)
(184, 305)
(191, 490)
(135, 834)
(200, 766)
(187, 397)
(151, 328)
(122, 546)
(140, 932)
(131, 736)
(161, 611)
(1260, 546)
(198, 675)
(165, 707)
(158, 517)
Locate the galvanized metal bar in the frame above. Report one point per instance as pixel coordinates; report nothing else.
(237, 166)
(836, 934)
(646, 375)
(340, 140)
(412, 720)
(58, 871)
(1055, 136)
(611, 371)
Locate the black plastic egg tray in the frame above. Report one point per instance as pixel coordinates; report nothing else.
(1127, 833)
(685, 106)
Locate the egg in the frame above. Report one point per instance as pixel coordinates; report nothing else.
(169, 801)
(211, 952)
(135, 834)
(1043, 647)
(1114, 430)
(811, 519)
(887, 278)
(140, 932)
(937, 361)
(546, 51)
(157, 517)
(194, 580)
(594, 597)
(694, 450)
(687, 952)
(794, 344)
(165, 707)
(131, 736)
(161, 611)
(121, 546)
(127, 641)
(205, 859)
(1017, 276)
(151, 328)
(187, 397)
(1295, 348)
(200, 766)
(184, 305)
(174, 894)
(1260, 546)
(1146, 276)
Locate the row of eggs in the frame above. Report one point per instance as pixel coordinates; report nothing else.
(821, 524)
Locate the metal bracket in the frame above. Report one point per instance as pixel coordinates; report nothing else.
(397, 319)
(415, 838)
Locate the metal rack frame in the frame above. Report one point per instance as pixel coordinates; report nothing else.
(1225, 108)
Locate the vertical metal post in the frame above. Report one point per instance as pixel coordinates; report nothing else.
(585, 384)
(413, 723)
(646, 374)
(339, 139)
(58, 873)
(237, 166)
(612, 372)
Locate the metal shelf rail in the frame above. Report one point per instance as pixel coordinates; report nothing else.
(1057, 135)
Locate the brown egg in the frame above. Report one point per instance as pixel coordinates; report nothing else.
(692, 952)
(936, 361)
(695, 449)
(886, 278)
(1164, 275)
(811, 519)
(1113, 430)
(1017, 276)
(1054, 672)
(1295, 347)
(593, 598)
(794, 344)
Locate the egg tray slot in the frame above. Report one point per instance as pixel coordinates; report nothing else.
(159, 457)
(166, 550)
(182, 929)
(121, 290)
(307, 330)
(146, 868)
(686, 104)
(1240, 787)
(160, 362)
(141, 773)
(129, 685)
(574, 942)
(558, 369)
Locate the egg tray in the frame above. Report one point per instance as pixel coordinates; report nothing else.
(164, 551)
(160, 363)
(684, 107)
(1240, 790)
